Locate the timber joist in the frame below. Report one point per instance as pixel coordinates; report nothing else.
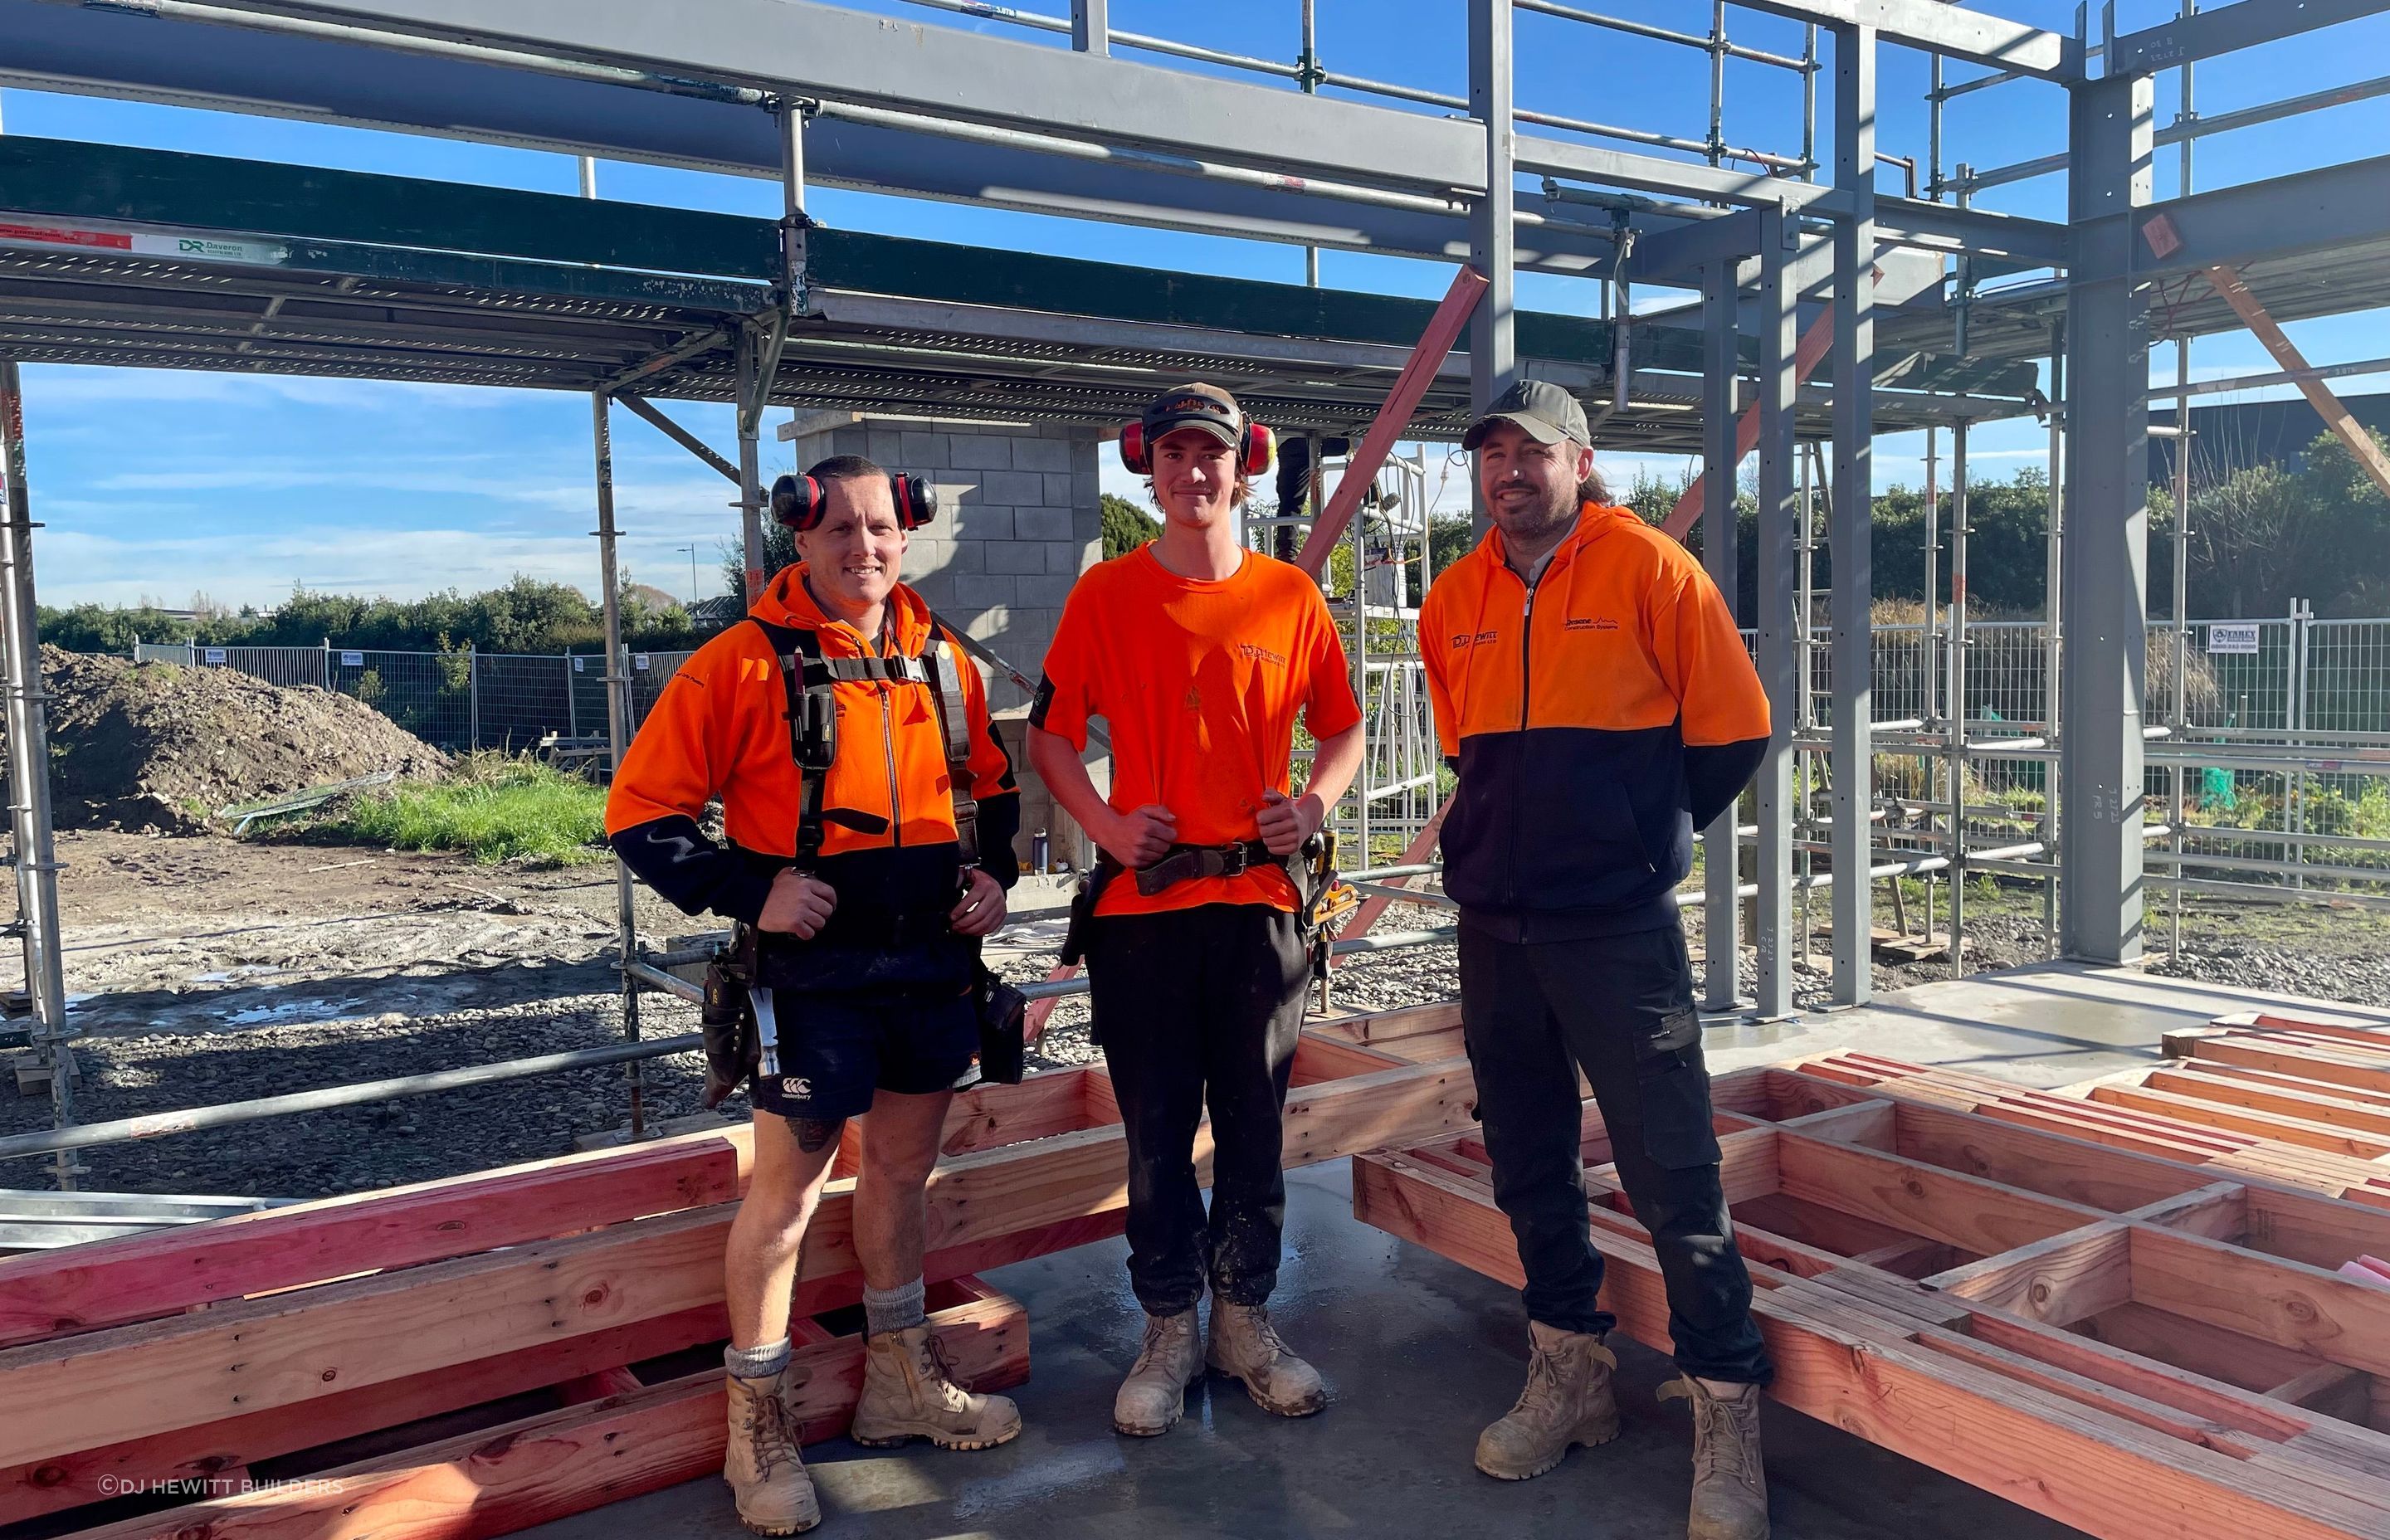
(163, 1379)
(2116, 1334)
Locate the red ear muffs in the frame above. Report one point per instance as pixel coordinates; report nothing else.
(798, 501)
(1253, 454)
(1253, 451)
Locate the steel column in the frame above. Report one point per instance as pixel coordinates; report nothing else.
(1853, 642)
(1779, 650)
(750, 474)
(1720, 869)
(34, 851)
(1091, 29)
(617, 739)
(1493, 357)
(2106, 593)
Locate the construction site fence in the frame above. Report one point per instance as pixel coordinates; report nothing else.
(460, 701)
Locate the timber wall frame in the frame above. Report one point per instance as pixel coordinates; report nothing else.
(222, 1350)
(2131, 1345)
(804, 93)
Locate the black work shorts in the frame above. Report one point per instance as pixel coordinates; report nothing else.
(836, 1049)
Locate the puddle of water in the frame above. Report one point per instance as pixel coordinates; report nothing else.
(295, 1010)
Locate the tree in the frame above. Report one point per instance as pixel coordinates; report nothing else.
(1125, 526)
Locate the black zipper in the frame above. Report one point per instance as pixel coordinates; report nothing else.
(1518, 766)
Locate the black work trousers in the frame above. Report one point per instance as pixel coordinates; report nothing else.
(1620, 1009)
(1194, 1006)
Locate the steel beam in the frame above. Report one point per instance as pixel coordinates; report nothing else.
(1852, 640)
(1953, 29)
(1493, 354)
(1620, 168)
(1778, 644)
(2228, 29)
(102, 52)
(2105, 595)
(2285, 216)
(806, 48)
(1721, 871)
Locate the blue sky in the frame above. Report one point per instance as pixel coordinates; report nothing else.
(159, 485)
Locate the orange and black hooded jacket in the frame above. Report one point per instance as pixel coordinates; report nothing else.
(720, 729)
(1594, 722)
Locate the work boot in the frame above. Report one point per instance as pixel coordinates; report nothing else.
(1730, 1487)
(909, 1393)
(1154, 1394)
(1246, 1347)
(1568, 1401)
(767, 1480)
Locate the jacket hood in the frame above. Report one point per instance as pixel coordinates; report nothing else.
(1593, 521)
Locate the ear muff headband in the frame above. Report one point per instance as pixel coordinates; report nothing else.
(1254, 449)
(799, 501)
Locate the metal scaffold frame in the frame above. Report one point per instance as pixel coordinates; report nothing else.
(1782, 247)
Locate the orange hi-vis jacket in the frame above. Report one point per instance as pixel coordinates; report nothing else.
(721, 729)
(1594, 722)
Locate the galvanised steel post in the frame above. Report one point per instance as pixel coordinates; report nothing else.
(2107, 586)
(1493, 357)
(617, 739)
(29, 775)
(1720, 869)
(1780, 651)
(1853, 641)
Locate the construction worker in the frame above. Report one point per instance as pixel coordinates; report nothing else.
(1593, 696)
(866, 910)
(1199, 654)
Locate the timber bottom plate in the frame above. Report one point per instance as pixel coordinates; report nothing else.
(2124, 1343)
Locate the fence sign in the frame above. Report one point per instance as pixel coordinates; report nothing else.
(353, 660)
(216, 656)
(2232, 639)
(639, 662)
(581, 665)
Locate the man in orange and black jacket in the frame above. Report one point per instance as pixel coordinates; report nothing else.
(867, 966)
(1596, 701)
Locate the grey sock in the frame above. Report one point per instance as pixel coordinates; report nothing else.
(893, 1309)
(757, 1363)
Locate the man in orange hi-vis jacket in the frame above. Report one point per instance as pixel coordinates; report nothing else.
(851, 749)
(1593, 697)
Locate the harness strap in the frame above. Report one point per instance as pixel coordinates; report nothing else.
(809, 681)
(1187, 863)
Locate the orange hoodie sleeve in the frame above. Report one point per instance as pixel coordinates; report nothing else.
(1435, 660)
(680, 760)
(1723, 708)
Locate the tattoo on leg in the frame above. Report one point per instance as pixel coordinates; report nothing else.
(812, 1134)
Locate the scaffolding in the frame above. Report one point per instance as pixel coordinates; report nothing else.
(1927, 312)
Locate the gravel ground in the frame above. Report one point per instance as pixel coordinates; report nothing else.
(206, 969)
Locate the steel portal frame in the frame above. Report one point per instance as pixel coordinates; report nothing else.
(799, 90)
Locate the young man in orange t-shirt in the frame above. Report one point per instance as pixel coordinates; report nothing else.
(1198, 654)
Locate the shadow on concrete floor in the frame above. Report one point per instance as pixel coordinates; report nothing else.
(1419, 1353)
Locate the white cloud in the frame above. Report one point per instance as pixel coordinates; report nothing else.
(71, 385)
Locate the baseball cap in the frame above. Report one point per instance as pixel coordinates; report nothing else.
(1548, 413)
(1195, 405)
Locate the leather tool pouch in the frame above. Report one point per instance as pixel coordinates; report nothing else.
(725, 1020)
(1003, 1031)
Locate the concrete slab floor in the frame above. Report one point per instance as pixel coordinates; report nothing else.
(2042, 1024)
(1420, 1353)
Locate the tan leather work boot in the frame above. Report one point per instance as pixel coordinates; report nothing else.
(1730, 1487)
(767, 1480)
(1568, 1401)
(908, 1393)
(1246, 1347)
(1154, 1394)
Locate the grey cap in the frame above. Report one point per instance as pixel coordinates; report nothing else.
(1548, 413)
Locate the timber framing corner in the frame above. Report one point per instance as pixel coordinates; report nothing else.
(2135, 1345)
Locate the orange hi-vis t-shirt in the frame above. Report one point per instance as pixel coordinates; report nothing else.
(1199, 684)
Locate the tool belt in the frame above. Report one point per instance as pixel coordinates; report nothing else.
(733, 1046)
(1311, 867)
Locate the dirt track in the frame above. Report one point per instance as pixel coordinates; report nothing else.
(206, 969)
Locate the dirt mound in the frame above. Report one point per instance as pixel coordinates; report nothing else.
(164, 746)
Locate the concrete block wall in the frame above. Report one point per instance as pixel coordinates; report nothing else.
(1019, 520)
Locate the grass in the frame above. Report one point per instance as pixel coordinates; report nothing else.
(490, 806)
